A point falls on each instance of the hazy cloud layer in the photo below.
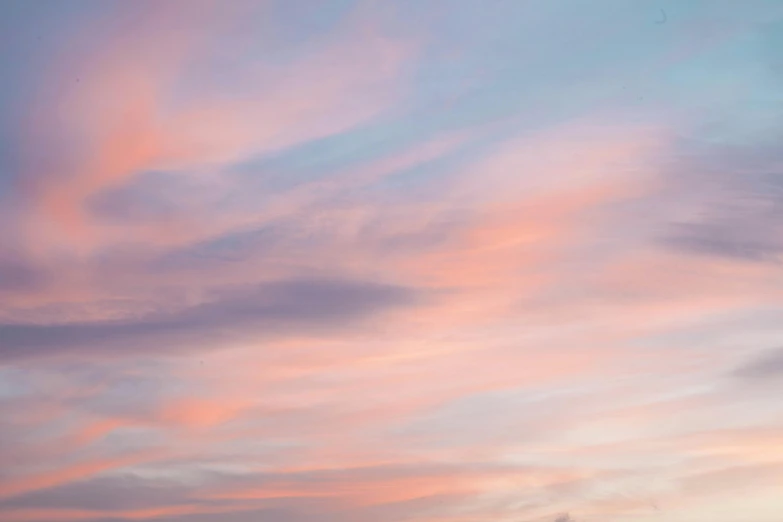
(351, 260)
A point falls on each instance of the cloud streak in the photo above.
(268, 309)
(352, 261)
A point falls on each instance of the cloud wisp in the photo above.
(350, 261)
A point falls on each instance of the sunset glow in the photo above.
(391, 260)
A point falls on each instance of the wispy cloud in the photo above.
(354, 261)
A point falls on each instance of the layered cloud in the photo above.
(352, 261)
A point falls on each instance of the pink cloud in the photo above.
(125, 122)
(69, 473)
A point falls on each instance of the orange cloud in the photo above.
(196, 413)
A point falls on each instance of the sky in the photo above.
(386, 261)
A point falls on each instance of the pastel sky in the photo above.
(391, 260)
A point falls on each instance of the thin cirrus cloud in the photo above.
(296, 304)
(136, 125)
(352, 261)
